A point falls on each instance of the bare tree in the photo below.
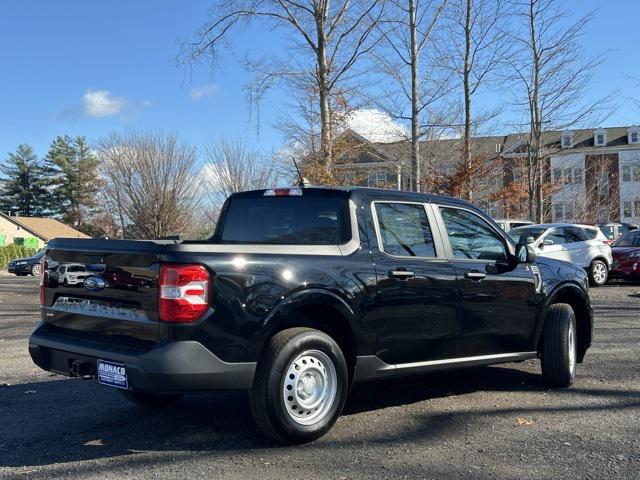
(473, 46)
(552, 78)
(328, 40)
(416, 86)
(150, 183)
(232, 166)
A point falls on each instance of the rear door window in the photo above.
(404, 230)
(574, 234)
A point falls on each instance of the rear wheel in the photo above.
(300, 385)
(35, 270)
(150, 399)
(559, 350)
(598, 273)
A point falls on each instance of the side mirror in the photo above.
(525, 253)
(547, 241)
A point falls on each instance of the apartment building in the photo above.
(590, 175)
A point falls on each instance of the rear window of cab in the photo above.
(286, 220)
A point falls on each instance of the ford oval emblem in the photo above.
(94, 284)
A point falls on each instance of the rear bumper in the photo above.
(174, 367)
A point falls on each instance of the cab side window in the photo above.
(471, 237)
(404, 230)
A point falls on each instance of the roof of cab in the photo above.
(392, 193)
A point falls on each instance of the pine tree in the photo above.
(73, 171)
(23, 188)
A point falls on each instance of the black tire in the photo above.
(598, 273)
(274, 411)
(559, 346)
(150, 399)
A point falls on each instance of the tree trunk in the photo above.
(324, 93)
(416, 173)
(466, 148)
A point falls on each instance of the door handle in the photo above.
(475, 275)
(404, 274)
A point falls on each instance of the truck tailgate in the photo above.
(105, 288)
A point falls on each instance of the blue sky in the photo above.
(88, 68)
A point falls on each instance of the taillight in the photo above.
(43, 274)
(183, 295)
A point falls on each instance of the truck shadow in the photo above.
(60, 421)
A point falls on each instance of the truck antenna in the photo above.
(303, 181)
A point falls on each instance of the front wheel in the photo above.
(598, 273)
(300, 385)
(35, 270)
(559, 346)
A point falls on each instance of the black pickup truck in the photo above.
(303, 291)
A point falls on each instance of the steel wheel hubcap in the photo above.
(309, 387)
(572, 349)
(599, 272)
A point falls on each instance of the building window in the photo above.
(567, 175)
(557, 212)
(626, 209)
(600, 138)
(636, 173)
(626, 173)
(568, 212)
(634, 137)
(603, 182)
(498, 147)
(636, 206)
(377, 179)
(577, 175)
(557, 175)
(566, 140)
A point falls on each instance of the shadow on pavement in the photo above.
(61, 421)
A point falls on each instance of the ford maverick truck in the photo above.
(303, 291)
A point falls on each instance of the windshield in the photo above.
(628, 240)
(307, 220)
(525, 235)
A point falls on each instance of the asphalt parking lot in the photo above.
(491, 422)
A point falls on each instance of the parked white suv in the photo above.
(71, 274)
(508, 223)
(582, 245)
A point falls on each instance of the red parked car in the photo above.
(626, 256)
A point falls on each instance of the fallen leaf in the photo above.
(523, 421)
(95, 443)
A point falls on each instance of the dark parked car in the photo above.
(626, 256)
(26, 266)
(303, 291)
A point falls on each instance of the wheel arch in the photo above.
(325, 311)
(578, 300)
(602, 259)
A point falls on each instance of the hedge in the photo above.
(11, 252)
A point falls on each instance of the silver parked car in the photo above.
(507, 224)
(582, 245)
